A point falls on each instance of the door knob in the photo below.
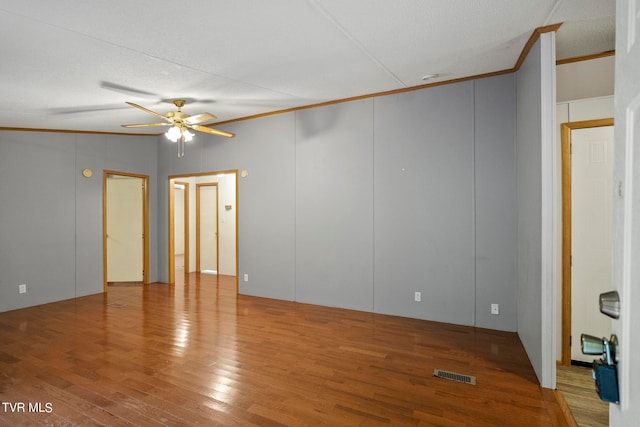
(600, 346)
(610, 304)
(605, 370)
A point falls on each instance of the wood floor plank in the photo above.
(195, 353)
(578, 389)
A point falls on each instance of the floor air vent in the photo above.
(467, 379)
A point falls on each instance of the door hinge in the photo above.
(570, 340)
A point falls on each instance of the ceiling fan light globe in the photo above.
(173, 133)
(188, 136)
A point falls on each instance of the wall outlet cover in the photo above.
(418, 296)
(495, 308)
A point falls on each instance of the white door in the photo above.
(208, 212)
(626, 210)
(125, 228)
(591, 230)
(178, 228)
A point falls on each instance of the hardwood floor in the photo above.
(577, 387)
(197, 354)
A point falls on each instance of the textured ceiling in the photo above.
(72, 64)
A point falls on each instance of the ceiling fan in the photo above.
(180, 124)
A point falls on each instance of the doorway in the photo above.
(181, 229)
(226, 251)
(207, 228)
(587, 194)
(125, 228)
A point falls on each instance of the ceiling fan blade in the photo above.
(86, 109)
(200, 118)
(212, 131)
(126, 89)
(144, 125)
(146, 110)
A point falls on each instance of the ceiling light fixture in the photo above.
(180, 123)
(179, 134)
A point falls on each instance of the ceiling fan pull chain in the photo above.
(181, 147)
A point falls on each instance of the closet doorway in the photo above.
(125, 223)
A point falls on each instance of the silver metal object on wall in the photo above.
(610, 304)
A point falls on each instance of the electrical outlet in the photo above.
(22, 288)
(495, 308)
(418, 296)
(246, 277)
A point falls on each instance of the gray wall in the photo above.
(334, 205)
(535, 159)
(51, 216)
(529, 171)
(495, 186)
(360, 204)
(425, 241)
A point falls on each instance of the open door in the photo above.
(125, 228)
(626, 211)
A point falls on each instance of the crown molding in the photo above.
(586, 57)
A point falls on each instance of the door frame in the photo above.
(145, 223)
(171, 245)
(198, 187)
(566, 129)
(186, 223)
